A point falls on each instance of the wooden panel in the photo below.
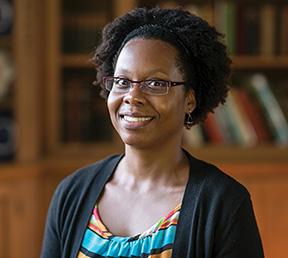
(52, 62)
(29, 80)
(4, 225)
(23, 215)
(269, 193)
(276, 204)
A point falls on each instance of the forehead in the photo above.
(147, 54)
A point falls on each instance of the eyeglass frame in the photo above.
(170, 84)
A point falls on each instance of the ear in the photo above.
(190, 101)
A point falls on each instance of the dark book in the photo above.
(248, 29)
(284, 31)
(6, 17)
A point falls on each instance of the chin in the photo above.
(138, 142)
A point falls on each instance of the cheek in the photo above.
(113, 104)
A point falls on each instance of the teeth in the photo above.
(136, 119)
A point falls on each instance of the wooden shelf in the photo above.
(259, 62)
(236, 154)
(239, 62)
(77, 61)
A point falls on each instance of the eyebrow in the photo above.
(152, 71)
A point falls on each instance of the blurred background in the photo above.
(52, 120)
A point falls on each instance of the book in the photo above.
(247, 134)
(281, 93)
(248, 32)
(253, 113)
(267, 29)
(225, 22)
(271, 107)
(227, 127)
(284, 31)
(213, 129)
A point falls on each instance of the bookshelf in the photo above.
(54, 76)
(67, 60)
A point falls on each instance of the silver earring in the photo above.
(188, 120)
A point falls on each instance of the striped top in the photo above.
(157, 241)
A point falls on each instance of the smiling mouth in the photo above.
(135, 119)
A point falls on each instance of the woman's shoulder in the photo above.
(82, 177)
(216, 183)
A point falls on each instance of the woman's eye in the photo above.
(156, 83)
(119, 82)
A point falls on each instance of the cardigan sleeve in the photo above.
(240, 237)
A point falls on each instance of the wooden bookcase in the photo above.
(46, 63)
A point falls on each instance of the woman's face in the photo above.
(142, 120)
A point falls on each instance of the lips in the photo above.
(135, 120)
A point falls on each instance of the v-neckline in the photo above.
(148, 232)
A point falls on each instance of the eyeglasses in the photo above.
(151, 87)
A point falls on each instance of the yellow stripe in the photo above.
(81, 255)
(164, 254)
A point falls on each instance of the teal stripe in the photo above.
(120, 246)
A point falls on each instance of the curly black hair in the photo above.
(206, 67)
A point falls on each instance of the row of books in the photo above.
(255, 113)
(78, 40)
(249, 28)
(85, 117)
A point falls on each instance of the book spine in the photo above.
(284, 31)
(271, 107)
(248, 133)
(251, 110)
(267, 30)
(213, 129)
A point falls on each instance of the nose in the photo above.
(134, 96)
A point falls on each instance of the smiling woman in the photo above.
(161, 70)
(140, 117)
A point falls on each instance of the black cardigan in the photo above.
(216, 218)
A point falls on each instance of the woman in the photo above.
(160, 70)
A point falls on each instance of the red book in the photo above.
(213, 130)
(254, 113)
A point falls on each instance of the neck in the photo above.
(163, 166)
